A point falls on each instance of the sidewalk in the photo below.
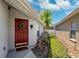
(20, 54)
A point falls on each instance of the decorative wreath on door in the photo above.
(21, 26)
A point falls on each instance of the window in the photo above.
(73, 31)
(73, 34)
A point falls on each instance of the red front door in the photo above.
(21, 33)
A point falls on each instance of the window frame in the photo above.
(73, 32)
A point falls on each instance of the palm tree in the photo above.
(46, 17)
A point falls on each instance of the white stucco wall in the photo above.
(3, 29)
(7, 28)
(41, 29)
(32, 32)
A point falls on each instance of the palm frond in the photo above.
(46, 17)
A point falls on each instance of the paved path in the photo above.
(21, 54)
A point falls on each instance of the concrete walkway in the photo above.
(20, 54)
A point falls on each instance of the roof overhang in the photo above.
(68, 16)
(24, 7)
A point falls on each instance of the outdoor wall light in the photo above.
(31, 26)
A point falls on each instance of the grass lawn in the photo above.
(57, 48)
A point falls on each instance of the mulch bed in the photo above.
(41, 48)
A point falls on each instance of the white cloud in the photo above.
(59, 4)
(44, 1)
(77, 3)
(31, 1)
(73, 7)
(46, 5)
(64, 4)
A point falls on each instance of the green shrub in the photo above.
(57, 48)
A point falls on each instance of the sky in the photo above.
(59, 8)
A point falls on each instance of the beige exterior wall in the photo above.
(63, 33)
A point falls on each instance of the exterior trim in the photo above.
(25, 8)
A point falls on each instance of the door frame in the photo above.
(27, 30)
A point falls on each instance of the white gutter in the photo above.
(18, 6)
